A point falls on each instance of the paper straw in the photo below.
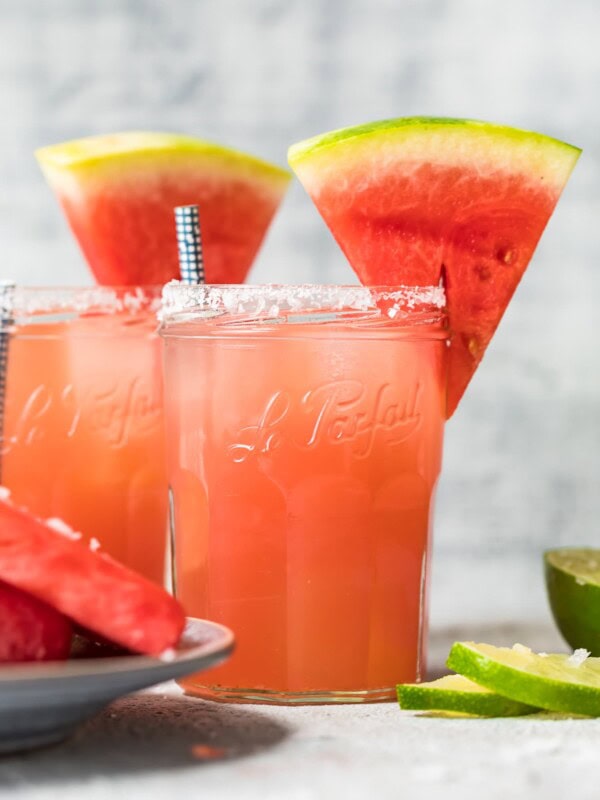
(7, 289)
(189, 243)
(191, 268)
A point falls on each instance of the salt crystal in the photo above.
(60, 526)
(32, 300)
(4, 493)
(94, 544)
(273, 299)
(520, 648)
(168, 655)
(578, 657)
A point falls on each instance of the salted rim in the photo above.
(30, 300)
(184, 299)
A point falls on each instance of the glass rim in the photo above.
(24, 301)
(184, 301)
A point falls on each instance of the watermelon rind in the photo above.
(96, 151)
(402, 129)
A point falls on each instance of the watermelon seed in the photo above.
(483, 272)
(473, 346)
(506, 255)
(443, 281)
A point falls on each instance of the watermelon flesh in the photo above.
(31, 630)
(118, 193)
(421, 201)
(88, 587)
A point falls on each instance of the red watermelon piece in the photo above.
(31, 630)
(87, 586)
(421, 200)
(119, 191)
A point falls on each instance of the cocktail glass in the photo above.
(83, 436)
(304, 440)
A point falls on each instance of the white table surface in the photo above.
(161, 744)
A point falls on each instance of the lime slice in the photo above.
(573, 584)
(458, 694)
(555, 682)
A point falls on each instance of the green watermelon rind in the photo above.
(96, 151)
(317, 144)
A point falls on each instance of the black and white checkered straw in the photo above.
(7, 289)
(189, 243)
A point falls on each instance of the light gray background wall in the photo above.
(522, 461)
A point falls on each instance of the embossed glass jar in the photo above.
(304, 439)
(83, 435)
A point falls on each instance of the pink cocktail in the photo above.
(83, 436)
(304, 440)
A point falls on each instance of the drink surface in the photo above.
(83, 430)
(303, 460)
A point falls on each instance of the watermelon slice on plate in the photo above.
(421, 200)
(31, 630)
(119, 191)
(90, 588)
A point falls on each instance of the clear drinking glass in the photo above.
(83, 435)
(304, 439)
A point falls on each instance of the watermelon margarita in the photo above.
(83, 423)
(304, 437)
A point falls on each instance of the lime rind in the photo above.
(573, 586)
(457, 694)
(407, 125)
(548, 682)
(94, 151)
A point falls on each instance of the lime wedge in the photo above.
(460, 695)
(573, 584)
(554, 682)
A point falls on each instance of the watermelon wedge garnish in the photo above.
(88, 587)
(421, 200)
(119, 191)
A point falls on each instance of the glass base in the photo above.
(223, 694)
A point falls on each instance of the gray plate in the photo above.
(43, 703)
